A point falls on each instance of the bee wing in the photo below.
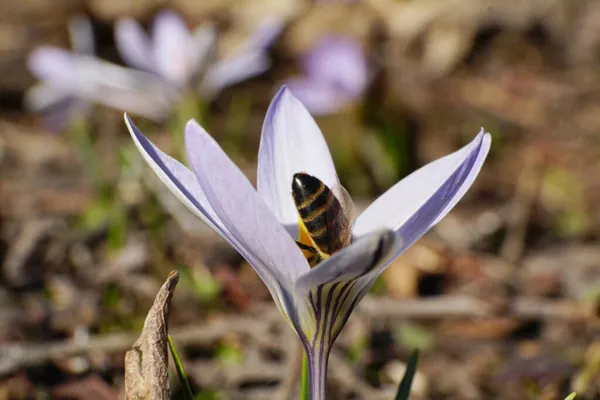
(346, 201)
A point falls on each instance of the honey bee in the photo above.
(325, 221)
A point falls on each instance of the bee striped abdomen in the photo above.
(311, 254)
(320, 211)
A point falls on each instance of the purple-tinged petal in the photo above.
(446, 195)
(254, 231)
(228, 72)
(319, 97)
(172, 40)
(265, 34)
(134, 45)
(340, 62)
(95, 80)
(59, 108)
(81, 35)
(43, 96)
(180, 180)
(52, 64)
(404, 200)
(202, 44)
(291, 142)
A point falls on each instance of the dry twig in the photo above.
(147, 363)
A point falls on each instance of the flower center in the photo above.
(324, 221)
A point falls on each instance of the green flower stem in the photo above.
(79, 132)
(189, 107)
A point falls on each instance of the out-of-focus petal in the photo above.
(81, 35)
(340, 62)
(171, 45)
(437, 186)
(254, 231)
(52, 64)
(319, 97)
(44, 96)
(204, 39)
(291, 142)
(58, 107)
(225, 73)
(265, 34)
(134, 45)
(99, 81)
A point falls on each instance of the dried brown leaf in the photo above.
(147, 363)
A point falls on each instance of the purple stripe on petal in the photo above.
(327, 294)
(350, 263)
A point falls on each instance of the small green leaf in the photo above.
(414, 336)
(406, 383)
(229, 354)
(571, 396)
(183, 380)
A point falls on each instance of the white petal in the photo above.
(291, 142)
(399, 203)
(203, 41)
(171, 44)
(134, 44)
(95, 80)
(225, 73)
(255, 232)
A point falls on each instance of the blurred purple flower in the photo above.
(262, 224)
(336, 73)
(183, 58)
(59, 106)
(71, 80)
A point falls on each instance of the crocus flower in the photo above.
(58, 106)
(182, 57)
(262, 224)
(70, 80)
(336, 73)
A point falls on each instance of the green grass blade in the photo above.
(406, 383)
(185, 384)
(305, 379)
(571, 396)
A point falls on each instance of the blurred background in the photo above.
(502, 297)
